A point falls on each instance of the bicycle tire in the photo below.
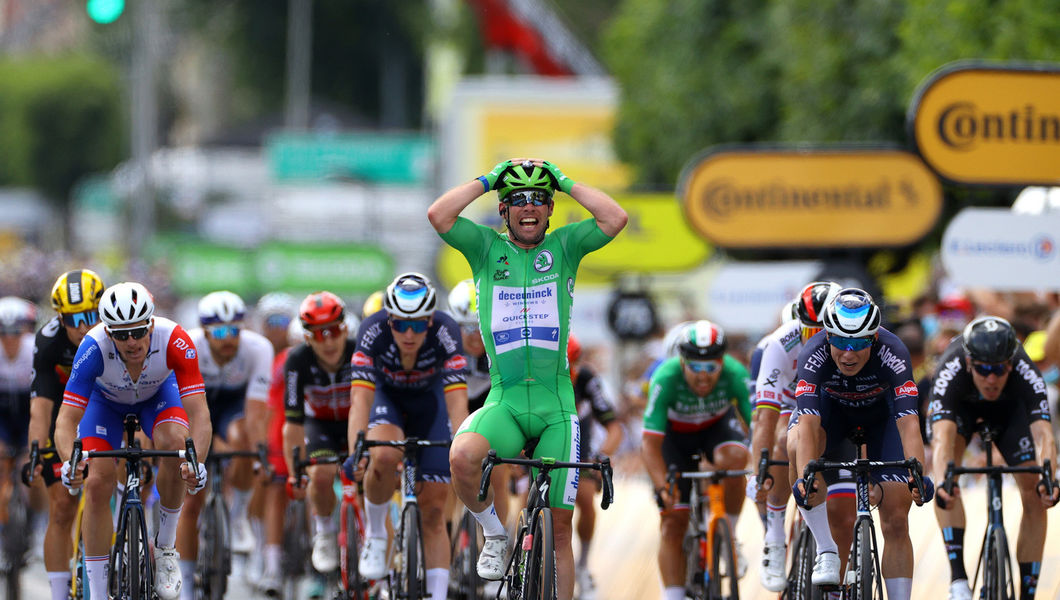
(354, 587)
(516, 585)
(466, 584)
(132, 555)
(867, 583)
(410, 575)
(213, 551)
(15, 546)
(724, 577)
(541, 566)
(693, 546)
(800, 572)
(295, 545)
(998, 581)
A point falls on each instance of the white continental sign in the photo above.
(1001, 250)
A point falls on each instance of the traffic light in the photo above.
(104, 11)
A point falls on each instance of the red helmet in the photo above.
(321, 308)
(574, 349)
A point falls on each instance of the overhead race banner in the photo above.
(810, 197)
(656, 239)
(979, 123)
(1001, 250)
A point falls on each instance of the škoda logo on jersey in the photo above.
(805, 387)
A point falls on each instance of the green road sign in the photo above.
(378, 158)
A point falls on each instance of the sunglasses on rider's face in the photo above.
(14, 330)
(223, 332)
(988, 369)
(323, 333)
(709, 367)
(88, 317)
(278, 321)
(403, 325)
(535, 197)
(849, 344)
(122, 335)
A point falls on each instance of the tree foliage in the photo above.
(697, 73)
(60, 119)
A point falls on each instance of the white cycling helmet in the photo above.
(463, 303)
(16, 312)
(673, 338)
(277, 303)
(221, 307)
(852, 314)
(410, 296)
(126, 303)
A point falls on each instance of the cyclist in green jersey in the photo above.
(525, 284)
(697, 404)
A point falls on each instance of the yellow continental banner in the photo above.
(989, 124)
(655, 240)
(810, 198)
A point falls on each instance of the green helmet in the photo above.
(524, 176)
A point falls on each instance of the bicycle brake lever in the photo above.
(609, 485)
(75, 459)
(487, 470)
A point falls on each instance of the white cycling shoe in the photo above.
(826, 569)
(772, 574)
(167, 573)
(491, 560)
(372, 563)
(959, 590)
(325, 552)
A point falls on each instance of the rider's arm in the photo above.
(456, 404)
(443, 212)
(181, 358)
(651, 452)
(293, 437)
(87, 365)
(258, 386)
(199, 418)
(66, 429)
(943, 438)
(294, 409)
(40, 417)
(809, 433)
(46, 387)
(1044, 441)
(610, 217)
(909, 432)
(362, 394)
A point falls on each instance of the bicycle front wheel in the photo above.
(463, 576)
(541, 565)
(724, 579)
(350, 549)
(129, 575)
(803, 553)
(868, 584)
(998, 582)
(213, 553)
(411, 574)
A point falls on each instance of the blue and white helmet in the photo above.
(852, 314)
(126, 303)
(221, 307)
(410, 296)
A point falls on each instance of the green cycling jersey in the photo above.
(525, 297)
(671, 401)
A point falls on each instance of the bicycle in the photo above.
(15, 542)
(351, 529)
(711, 571)
(407, 580)
(864, 580)
(131, 573)
(214, 561)
(296, 550)
(803, 546)
(464, 582)
(995, 562)
(531, 570)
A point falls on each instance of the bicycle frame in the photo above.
(995, 517)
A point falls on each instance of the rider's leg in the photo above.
(1030, 543)
(381, 479)
(673, 524)
(465, 463)
(587, 487)
(777, 499)
(187, 543)
(897, 560)
(321, 495)
(431, 497)
(169, 435)
(57, 546)
(96, 524)
(732, 456)
(562, 525)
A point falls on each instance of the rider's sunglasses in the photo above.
(322, 333)
(12, 330)
(88, 317)
(850, 344)
(277, 321)
(535, 197)
(988, 369)
(709, 367)
(223, 332)
(403, 325)
(122, 335)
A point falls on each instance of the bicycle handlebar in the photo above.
(262, 454)
(135, 453)
(30, 472)
(546, 464)
(763, 467)
(817, 466)
(714, 476)
(953, 471)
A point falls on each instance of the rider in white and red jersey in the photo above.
(133, 363)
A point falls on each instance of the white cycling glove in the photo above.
(200, 476)
(752, 488)
(67, 475)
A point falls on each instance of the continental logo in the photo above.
(771, 198)
(990, 124)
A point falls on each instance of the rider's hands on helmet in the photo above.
(563, 183)
(194, 482)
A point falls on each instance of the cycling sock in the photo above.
(898, 588)
(490, 522)
(187, 576)
(583, 554)
(324, 523)
(817, 520)
(273, 559)
(953, 537)
(375, 523)
(240, 499)
(59, 581)
(257, 527)
(96, 573)
(167, 526)
(775, 523)
(673, 593)
(732, 521)
(1029, 579)
(438, 583)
